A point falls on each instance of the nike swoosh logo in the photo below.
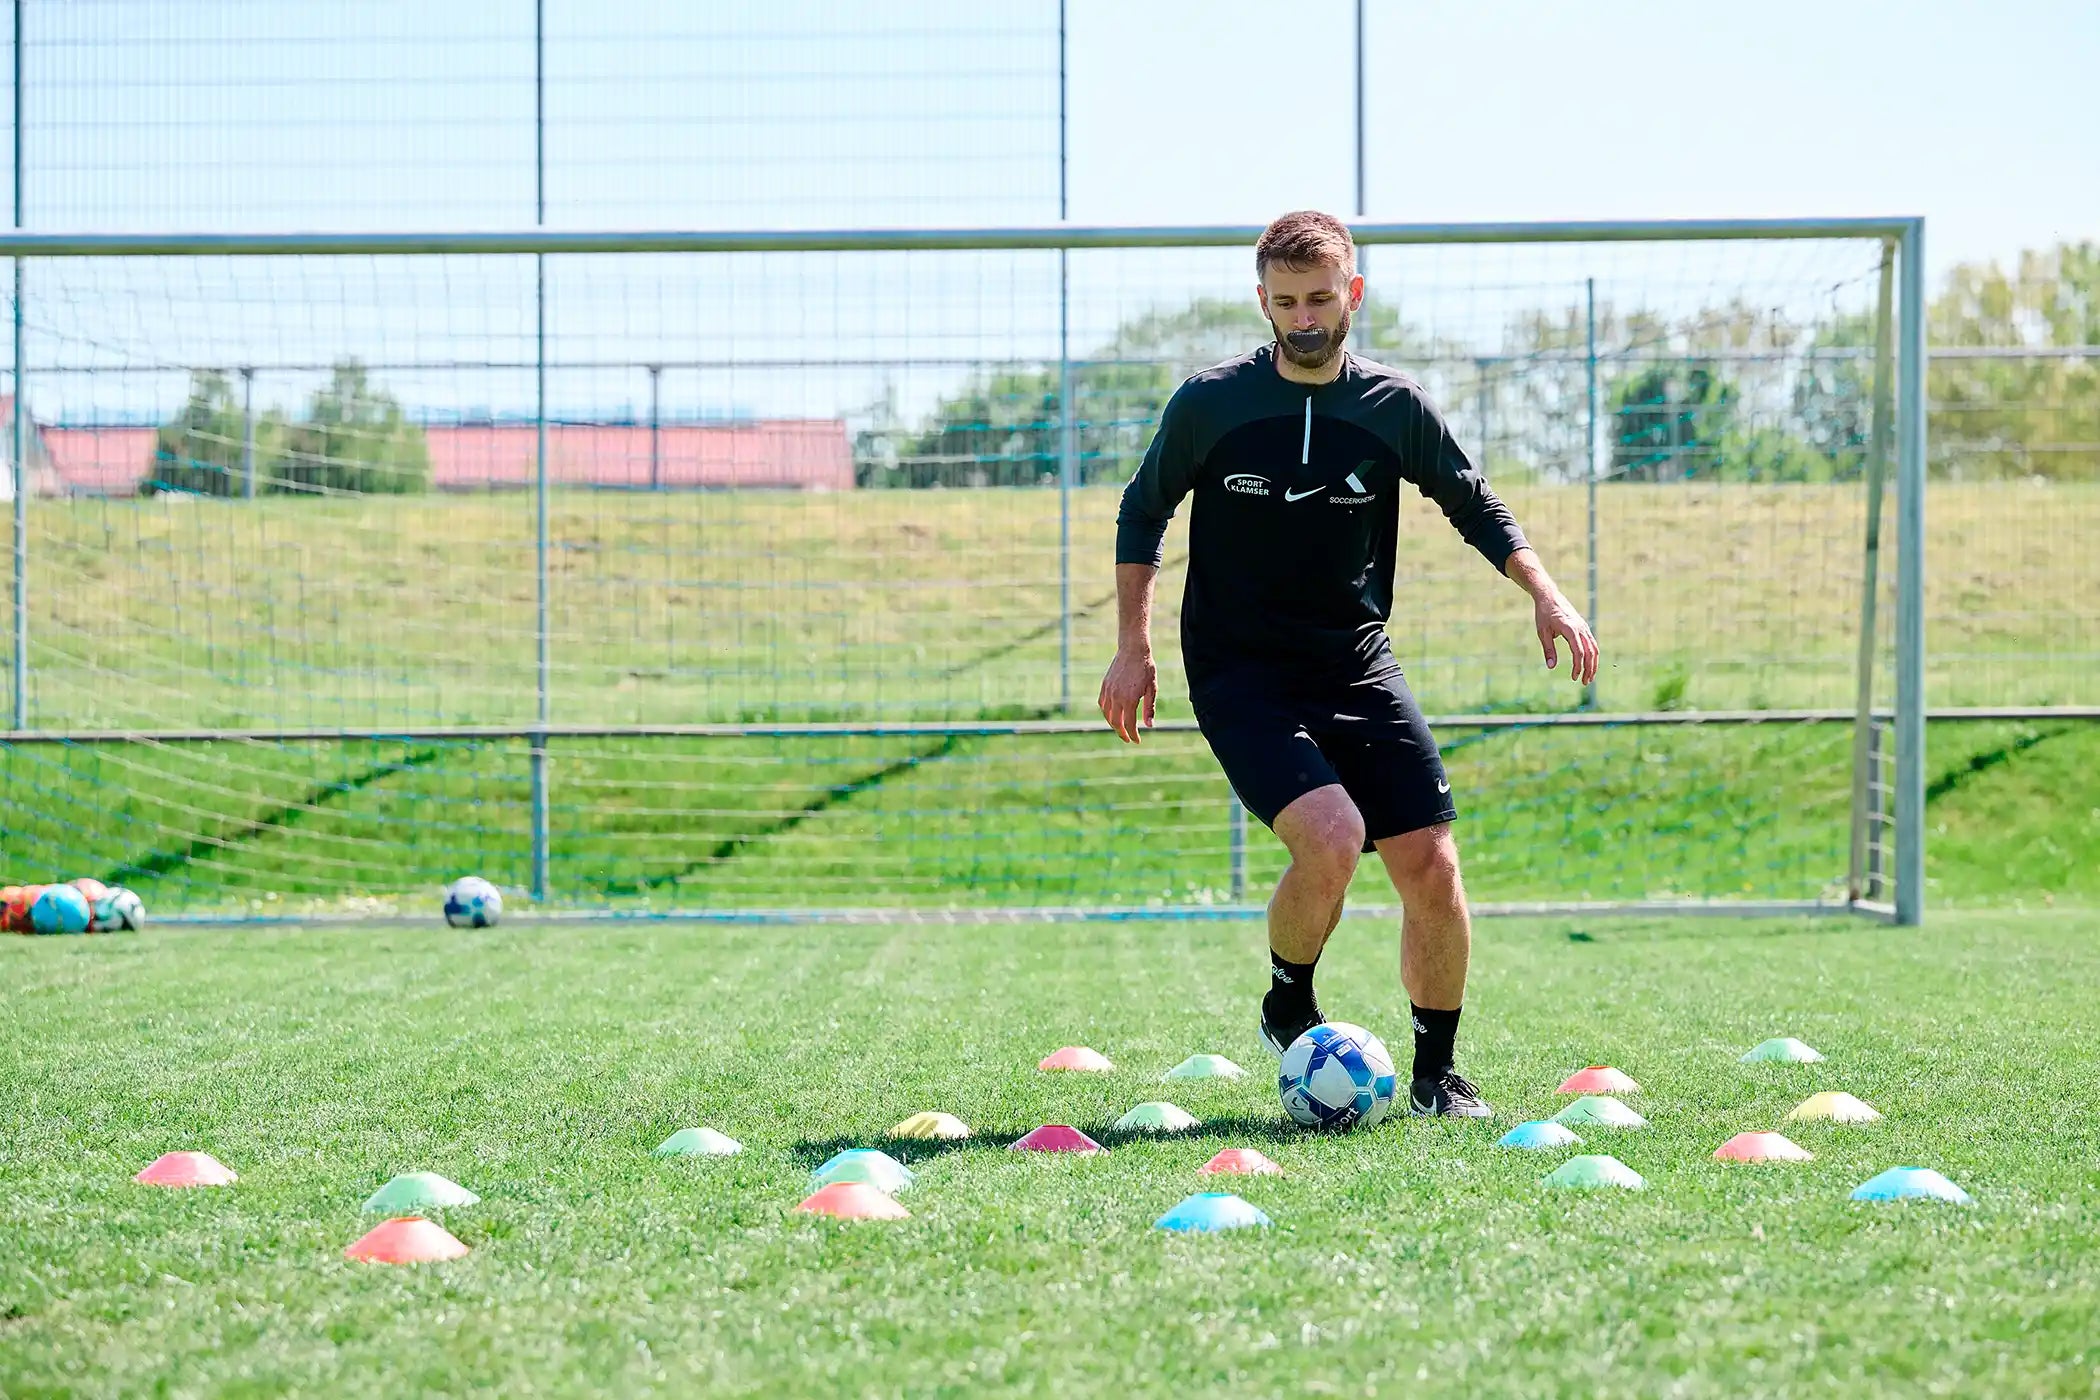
(1443, 785)
(1301, 495)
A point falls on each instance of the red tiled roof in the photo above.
(809, 454)
(100, 461)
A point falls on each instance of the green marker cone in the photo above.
(698, 1142)
(1783, 1051)
(1599, 1112)
(1156, 1118)
(1590, 1173)
(417, 1191)
(1205, 1067)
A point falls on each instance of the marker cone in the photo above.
(1911, 1183)
(1762, 1147)
(1205, 1067)
(186, 1169)
(698, 1142)
(853, 1200)
(1836, 1107)
(1590, 1173)
(1077, 1058)
(1156, 1118)
(1784, 1051)
(1209, 1211)
(408, 1240)
(1599, 1113)
(877, 1169)
(1539, 1137)
(1598, 1079)
(932, 1125)
(1056, 1137)
(1240, 1161)
(418, 1191)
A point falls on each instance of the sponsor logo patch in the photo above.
(1247, 484)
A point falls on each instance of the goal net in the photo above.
(775, 577)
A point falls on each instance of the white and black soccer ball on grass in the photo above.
(119, 911)
(473, 902)
(1337, 1076)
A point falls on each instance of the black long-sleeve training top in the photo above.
(1297, 487)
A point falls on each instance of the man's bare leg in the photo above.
(1324, 834)
(1436, 947)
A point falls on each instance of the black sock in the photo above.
(1290, 995)
(1434, 1033)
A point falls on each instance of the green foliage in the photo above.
(1668, 423)
(352, 439)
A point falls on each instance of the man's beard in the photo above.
(1313, 349)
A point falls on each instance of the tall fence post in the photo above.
(1236, 826)
(23, 482)
(248, 432)
(1589, 360)
(656, 428)
(1910, 586)
(542, 827)
(1067, 465)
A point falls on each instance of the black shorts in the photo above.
(1278, 738)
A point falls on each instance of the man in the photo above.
(1296, 453)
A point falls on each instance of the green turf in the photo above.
(538, 1065)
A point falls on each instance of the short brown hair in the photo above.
(1305, 239)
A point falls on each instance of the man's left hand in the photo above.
(1558, 621)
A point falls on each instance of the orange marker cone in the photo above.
(186, 1169)
(406, 1239)
(1240, 1161)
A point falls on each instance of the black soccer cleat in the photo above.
(1446, 1095)
(1278, 1035)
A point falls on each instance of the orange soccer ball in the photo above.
(16, 910)
(92, 890)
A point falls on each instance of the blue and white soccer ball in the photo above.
(119, 911)
(473, 902)
(1337, 1076)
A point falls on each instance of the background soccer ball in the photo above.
(60, 909)
(91, 889)
(473, 903)
(119, 910)
(1337, 1076)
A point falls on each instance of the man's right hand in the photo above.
(1132, 683)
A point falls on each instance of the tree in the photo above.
(1669, 422)
(355, 438)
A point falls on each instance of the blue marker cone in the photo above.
(864, 1164)
(1911, 1183)
(1207, 1211)
(1539, 1137)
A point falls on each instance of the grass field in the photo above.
(538, 1066)
(168, 613)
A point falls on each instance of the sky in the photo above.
(400, 115)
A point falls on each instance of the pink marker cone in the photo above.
(406, 1239)
(186, 1169)
(1078, 1058)
(1762, 1147)
(1598, 1079)
(853, 1200)
(1056, 1137)
(1240, 1161)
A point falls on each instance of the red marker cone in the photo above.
(1598, 1079)
(853, 1200)
(186, 1169)
(1240, 1161)
(1077, 1057)
(1761, 1147)
(1056, 1137)
(407, 1239)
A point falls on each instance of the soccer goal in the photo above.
(769, 575)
